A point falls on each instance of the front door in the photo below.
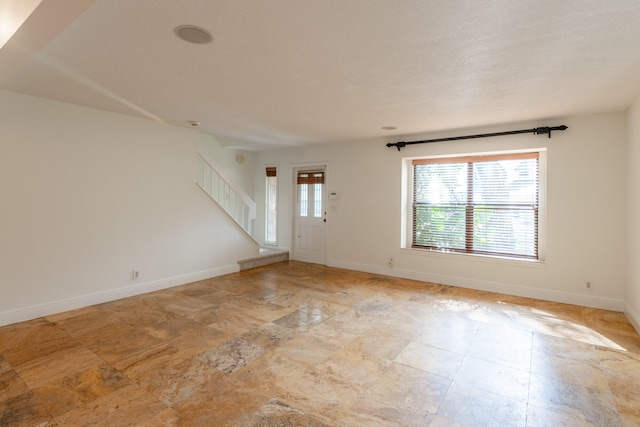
(309, 236)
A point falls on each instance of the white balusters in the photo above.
(232, 199)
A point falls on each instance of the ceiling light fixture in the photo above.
(193, 34)
(388, 128)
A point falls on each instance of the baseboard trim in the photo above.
(33, 312)
(483, 285)
(633, 317)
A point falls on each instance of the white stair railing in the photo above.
(231, 198)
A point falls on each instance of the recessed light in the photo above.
(193, 34)
(388, 128)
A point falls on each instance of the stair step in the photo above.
(267, 256)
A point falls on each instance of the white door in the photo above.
(309, 236)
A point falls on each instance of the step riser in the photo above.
(262, 261)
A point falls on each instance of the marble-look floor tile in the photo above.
(187, 306)
(347, 323)
(223, 402)
(402, 396)
(309, 314)
(256, 308)
(278, 414)
(127, 406)
(171, 329)
(469, 406)
(124, 346)
(565, 348)
(40, 349)
(270, 373)
(147, 362)
(70, 392)
(319, 395)
(569, 370)
(194, 342)
(611, 321)
(180, 381)
(363, 360)
(28, 333)
(494, 378)
(11, 385)
(448, 332)
(166, 418)
(42, 370)
(24, 410)
(227, 320)
(269, 336)
(232, 355)
(91, 326)
(308, 349)
(430, 359)
(373, 307)
(140, 314)
(202, 288)
(509, 347)
(622, 371)
(304, 344)
(573, 402)
(4, 365)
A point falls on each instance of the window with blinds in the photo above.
(310, 193)
(480, 204)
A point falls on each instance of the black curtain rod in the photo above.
(537, 131)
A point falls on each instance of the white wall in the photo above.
(87, 196)
(586, 190)
(633, 219)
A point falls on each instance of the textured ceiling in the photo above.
(294, 72)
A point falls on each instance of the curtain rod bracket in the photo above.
(536, 131)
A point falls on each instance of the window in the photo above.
(310, 193)
(271, 216)
(478, 204)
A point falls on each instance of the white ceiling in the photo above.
(293, 72)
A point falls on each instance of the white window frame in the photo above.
(268, 179)
(407, 208)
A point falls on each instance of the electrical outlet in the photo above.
(588, 285)
(391, 262)
(135, 274)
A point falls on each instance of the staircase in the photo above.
(238, 205)
(231, 198)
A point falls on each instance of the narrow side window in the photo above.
(271, 208)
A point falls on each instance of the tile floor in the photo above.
(296, 344)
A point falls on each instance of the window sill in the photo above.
(491, 259)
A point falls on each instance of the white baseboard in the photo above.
(33, 312)
(483, 285)
(633, 317)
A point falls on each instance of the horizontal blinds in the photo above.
(477, 204)
(311, 177)
(271, 171)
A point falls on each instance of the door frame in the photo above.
(294, 205)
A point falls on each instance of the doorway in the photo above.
(310, 215)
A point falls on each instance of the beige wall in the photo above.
(633, 220)
(87, 196)
(586, 189)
